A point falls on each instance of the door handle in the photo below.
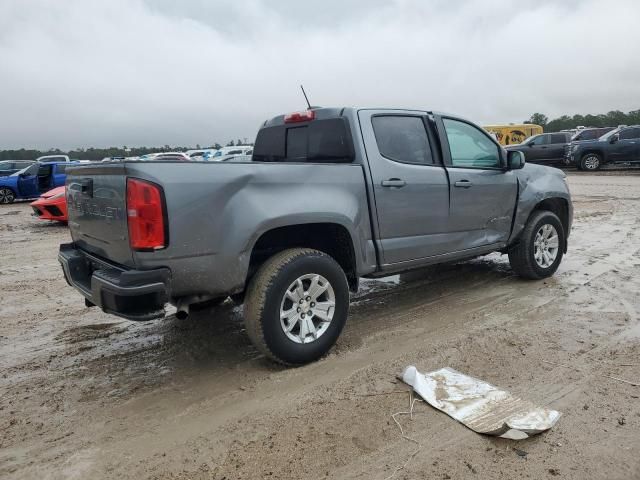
(463, 184)
(393, 182)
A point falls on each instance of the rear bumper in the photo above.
(131, 294)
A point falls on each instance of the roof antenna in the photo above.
(305, 96)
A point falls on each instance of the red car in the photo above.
(51, 205)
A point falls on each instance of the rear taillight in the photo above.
(297, 117)
(145, 215)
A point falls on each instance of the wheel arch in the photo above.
(333, 239)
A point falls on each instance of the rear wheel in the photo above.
(296, 306)
(7, 195)
(590, 162)
(541, 247)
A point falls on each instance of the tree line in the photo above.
(565, 122)
(100, 153)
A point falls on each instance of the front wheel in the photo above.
(296, 306)
(7, 195)
(590, 162)
(539, 252)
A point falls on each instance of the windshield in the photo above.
(610, 134)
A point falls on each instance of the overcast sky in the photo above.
(153, 72)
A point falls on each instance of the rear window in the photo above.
(319, 141)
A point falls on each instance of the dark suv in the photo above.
(621, 145)
(546, 148)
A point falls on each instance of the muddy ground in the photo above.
(87, 395)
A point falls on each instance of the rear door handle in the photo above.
(463, 184)
(394, 182)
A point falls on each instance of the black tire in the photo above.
(7, 195)
(590, 162)
(266, 292)
(522, 256)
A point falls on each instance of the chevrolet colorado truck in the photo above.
(330, 195)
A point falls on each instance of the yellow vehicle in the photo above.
(513, 134)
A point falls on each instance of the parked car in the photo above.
(621, 145)
(590, 133)
(172, 156)
(237, 150)
(32, 181)
(53, 159)
(546, 148)
(7, 167)
(331, 195)
(199, 154)
(51, 205)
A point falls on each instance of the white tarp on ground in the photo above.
(479, 405)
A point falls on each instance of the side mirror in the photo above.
(515, 160)
(530, 144)
(614, 138)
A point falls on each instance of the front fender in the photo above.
(537, 183)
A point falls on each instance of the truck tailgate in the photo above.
(96, 201)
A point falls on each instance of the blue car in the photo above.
(33, 181)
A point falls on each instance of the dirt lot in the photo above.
(86, 395)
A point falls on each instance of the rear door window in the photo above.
(402, 139)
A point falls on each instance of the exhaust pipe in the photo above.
(182, 305)
(182, 312)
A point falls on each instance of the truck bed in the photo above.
(215, 212)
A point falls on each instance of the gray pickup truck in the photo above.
(330, 195)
